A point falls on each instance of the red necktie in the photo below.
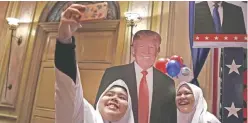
(143, 105)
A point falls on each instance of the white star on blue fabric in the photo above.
(232, 110)
(233, 67)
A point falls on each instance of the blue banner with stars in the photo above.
(232, 93)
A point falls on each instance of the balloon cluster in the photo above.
(174, 67)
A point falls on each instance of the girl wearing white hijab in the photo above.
(114, 105)
(191, 105)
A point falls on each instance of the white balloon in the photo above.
(185, 74)
(185, 71)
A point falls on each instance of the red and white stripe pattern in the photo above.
(219, 40)
(216, 81)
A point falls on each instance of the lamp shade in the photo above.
(13, 21)
(132, 16)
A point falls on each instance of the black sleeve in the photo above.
(65, 59)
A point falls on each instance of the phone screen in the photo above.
(95, 11)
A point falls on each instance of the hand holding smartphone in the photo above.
(95, 11)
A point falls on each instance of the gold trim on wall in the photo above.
(156, 16)
(164, 28)
(4, 26)
(11, 12)
(170, 15)
(10, 113)
(6, 116)
(25, 14)
(150, 17)
(206, 81)
(122, 34)
(25, 112)
(126, 44)
(92, 26)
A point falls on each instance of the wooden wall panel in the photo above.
(44, 103)
(51, 43)
(7, 120)
(43, 120)
(14, 72)
(45, 90)
(95, 46)
(11, 99)
(28, 87)
(90, 82)
(94, 51)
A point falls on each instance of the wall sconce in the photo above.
(13, 24)
(132, 19)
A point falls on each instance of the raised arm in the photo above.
(69, 105)
(65, 59)
(69, 102)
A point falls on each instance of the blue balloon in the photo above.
(173, 68)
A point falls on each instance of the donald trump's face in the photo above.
(145, 51)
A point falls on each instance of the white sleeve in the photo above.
(90, 115)
(69, 104)
(211, 118)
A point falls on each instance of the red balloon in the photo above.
(161, 64)
(177, 58)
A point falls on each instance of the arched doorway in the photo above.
(96, 46)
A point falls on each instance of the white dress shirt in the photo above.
(149, 79)
(220, 9)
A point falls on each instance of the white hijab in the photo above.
(128, 117)
(199, 113)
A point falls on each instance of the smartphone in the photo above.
(95, 11)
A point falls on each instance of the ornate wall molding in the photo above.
(166, 30)
(170, 30)
(96, 26)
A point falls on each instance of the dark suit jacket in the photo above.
(233, 20)
(163, 108)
